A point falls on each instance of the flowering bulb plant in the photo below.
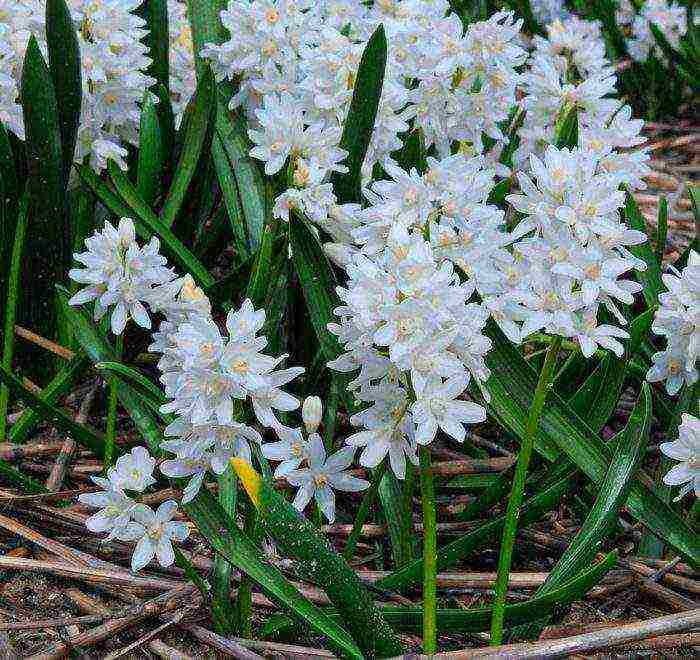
(330, 255)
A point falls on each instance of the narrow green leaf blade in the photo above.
(81, 434)
(359, 123)
(511, 385)
(199, 127)
(151, 153)
(64, 62)
(48, 235)
(651, 277)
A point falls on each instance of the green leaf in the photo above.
(359, 123)
(317, 560)
(227, 540)
(612, 495)
(219, 611)
(13, 476)
(562, 430)
(151, 153)
(99, 350)
(59, 385)
(11, 301)
(155, 13)
(651, 277)
(199, 126)
(81, 434)
(48, 234)
(135, 379)
(567, 129)
(317, 283)
(661, 231)
(147, 220)
(64, 62)
(252, 189)
(206, 27)
(229, 192)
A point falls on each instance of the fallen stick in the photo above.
(592, 641)
(89, 575)
(47, 344)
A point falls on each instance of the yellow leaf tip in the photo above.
(249, 478)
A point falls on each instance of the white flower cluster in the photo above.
(577, 257)
(670, 18)
(678, 320)
(686, 450)
(569, 70)
(296, 64)
(120, 273)
(114, 64)
(126, 519)
(407, 325)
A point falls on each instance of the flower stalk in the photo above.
(532, 425)
(110, 436)
(429, 554)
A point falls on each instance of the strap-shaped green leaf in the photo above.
(64, 62)
(151, 153)
(251, 186)
(59, 385)
(199, 126)
(155, 13)
(449, 555)
(48, 235)
(359, 123)
(479, 619)
(651, 277)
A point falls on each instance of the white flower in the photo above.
(292, 449)
(685, 449)
(133, 471)
(437, 406)
(154, 533)
(115, 508)
(322, 476)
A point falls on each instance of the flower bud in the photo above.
(311, 412)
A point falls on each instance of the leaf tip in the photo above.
(249, 478)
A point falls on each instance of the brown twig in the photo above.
(49, 345)
(592, 641)
(58, 471)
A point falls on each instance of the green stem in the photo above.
(544, 384)
(361, 516)
(228, 489)
(11, 309)
(407, 512)
(429, 554)
(110, 436)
